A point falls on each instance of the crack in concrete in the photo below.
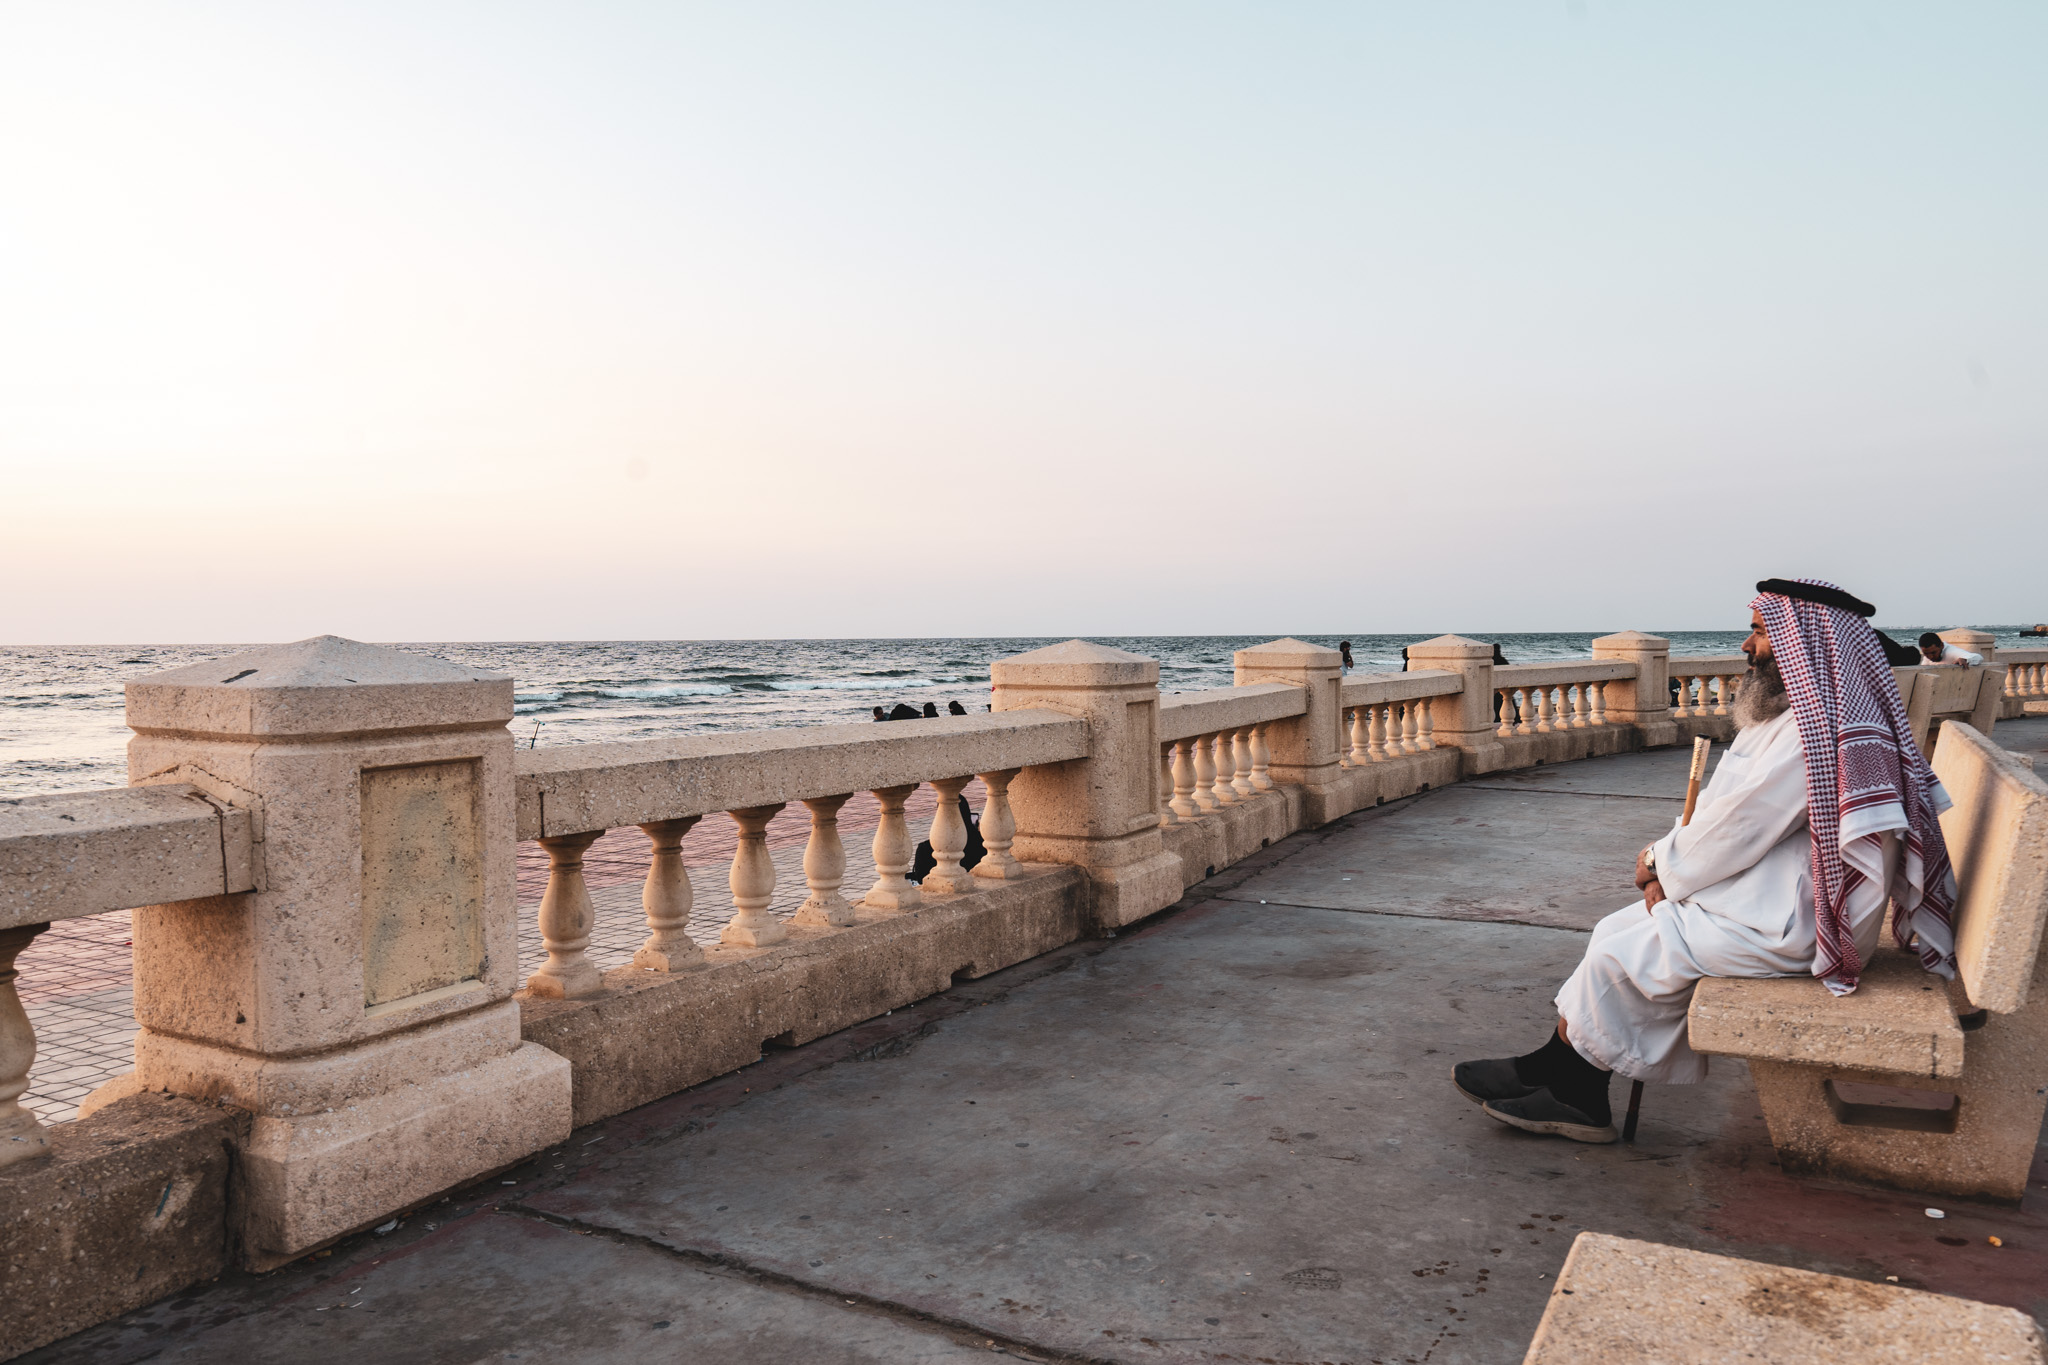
(965, 1332)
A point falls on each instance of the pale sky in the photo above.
(599, 320)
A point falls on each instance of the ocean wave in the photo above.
(536, 696)
(855, 684)
(669, 690)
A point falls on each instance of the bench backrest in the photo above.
(1997, 835)
(1944, 692)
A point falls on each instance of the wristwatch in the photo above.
(1650, 858)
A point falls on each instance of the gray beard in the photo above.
(1760, 696)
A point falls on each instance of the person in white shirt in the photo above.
(1936, 650)
(1785, 869)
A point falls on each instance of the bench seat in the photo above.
(1619, 1300)
(1899, 1020)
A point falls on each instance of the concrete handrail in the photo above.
(84, 853)
(1377, 689)
(1715, 665)
(1564, 673)
(1184, 715)
(577, 788)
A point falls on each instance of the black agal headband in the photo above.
(1813, 592)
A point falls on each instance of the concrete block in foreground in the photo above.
(1620, 1300)
(128, 1206)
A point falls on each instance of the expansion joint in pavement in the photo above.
(967, 1333)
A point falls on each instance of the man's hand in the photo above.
(1960, 663)
(1646, 881)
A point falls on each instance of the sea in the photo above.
(61, 711)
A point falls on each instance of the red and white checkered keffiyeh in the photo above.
(1865, 777)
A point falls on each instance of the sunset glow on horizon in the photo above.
(482, 322)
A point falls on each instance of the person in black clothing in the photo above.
(925, 861)
(902, 712)
(1500, 660)
(1344, 653)
(931, 710)
(880, 714)
(954, 708)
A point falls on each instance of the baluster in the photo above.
(1527, 699)
(1166, 816)
(1241, 753)
(666, 899)
(753, 882)
(825, 868)
(1347, 721)
(1262, 759)
(998, 829)
(1361, 735)
(1544, 713)
(21, 1133)
(1506, 697)
(1411, 727)
(1380, 717)
(894, 853)
(1226, 769)
(1205, 775)
(566, 918)
(949, 841)
(1426, 739)
(1723, 688)
(1596, 693)
(1184, 781)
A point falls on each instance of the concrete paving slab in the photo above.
(1658, 773)
(1243, 1145)
(496, 1286)
(1537, 857)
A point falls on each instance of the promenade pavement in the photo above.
(1227, 1135)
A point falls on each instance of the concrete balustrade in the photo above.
(319, 847)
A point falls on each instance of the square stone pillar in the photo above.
(1099, 813)
(1647, 705)
(358, 1001)
(1306, 747)
(1465, 721)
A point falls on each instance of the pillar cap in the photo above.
(1451, 647)
(1288, 653)
(1633, 640)
(1075, 663)
(318, 687)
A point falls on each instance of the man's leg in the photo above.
(1560, 1088)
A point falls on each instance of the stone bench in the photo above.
(1624, 1300)
(1912, 1082)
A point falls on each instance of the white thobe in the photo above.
(1738, 902)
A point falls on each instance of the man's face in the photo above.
(1931, 653)
(1758, 646)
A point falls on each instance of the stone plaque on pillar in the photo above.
(423, 879)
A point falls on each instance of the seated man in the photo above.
(1936, 650)
(1820, 813)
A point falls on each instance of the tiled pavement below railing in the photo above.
(77, 984)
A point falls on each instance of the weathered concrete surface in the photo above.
(126, 1205)
(1550, 846)
(1167, 1084)
(1621, 1301)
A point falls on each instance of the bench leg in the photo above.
(1990, 1136)
(1635, 1109)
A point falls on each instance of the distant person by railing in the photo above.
(1344, 649)
(954, 708)
(1936, 650)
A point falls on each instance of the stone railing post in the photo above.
(1647, 703)
(1099, 813)
(358, 1001)
(1464, 721)
(1305, 748)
